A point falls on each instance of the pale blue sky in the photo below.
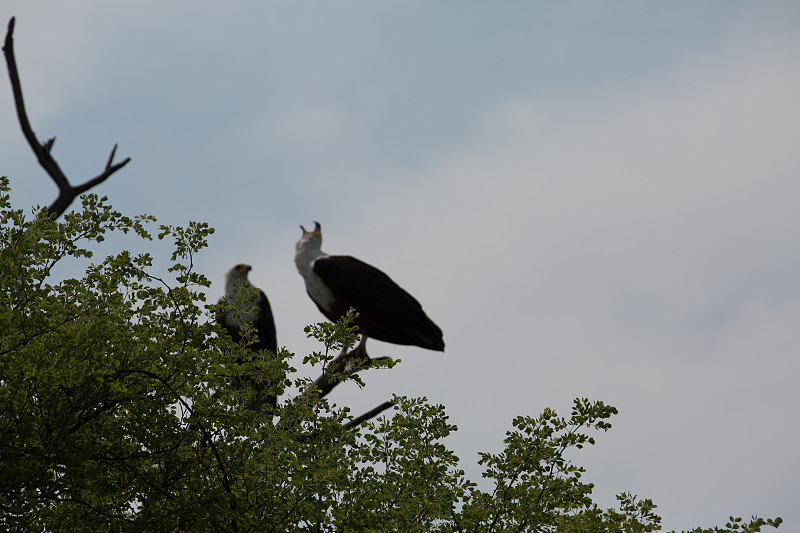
(590, 198)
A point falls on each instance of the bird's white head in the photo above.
(308, 248)
(236, 276)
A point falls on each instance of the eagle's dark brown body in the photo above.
(385, 311)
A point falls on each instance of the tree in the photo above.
(116, 413)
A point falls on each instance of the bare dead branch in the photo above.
(67, 193)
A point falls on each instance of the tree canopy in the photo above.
(117, 413)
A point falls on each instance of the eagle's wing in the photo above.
(265, 324)
(386, 311)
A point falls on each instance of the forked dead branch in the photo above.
(67, 191)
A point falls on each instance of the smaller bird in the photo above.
(386, 312)
(255, 310)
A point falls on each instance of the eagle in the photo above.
(255, 309)
(386, 312)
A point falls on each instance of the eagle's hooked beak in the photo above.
(317, 229)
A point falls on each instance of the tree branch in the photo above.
(346, 364)
(67, 193)
(369, 414)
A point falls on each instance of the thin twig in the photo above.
(368, 415)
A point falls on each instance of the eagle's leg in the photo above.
(356, 359)
(360, 351)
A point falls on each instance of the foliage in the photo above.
(117, 414)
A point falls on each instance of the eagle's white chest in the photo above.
(321, 294)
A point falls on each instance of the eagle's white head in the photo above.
(308, 248)
(235, 281)
(236, 277)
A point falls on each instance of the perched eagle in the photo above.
(255, 310)
(385, 311)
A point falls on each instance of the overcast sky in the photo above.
(592, 199)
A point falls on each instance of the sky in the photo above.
(591, 199)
